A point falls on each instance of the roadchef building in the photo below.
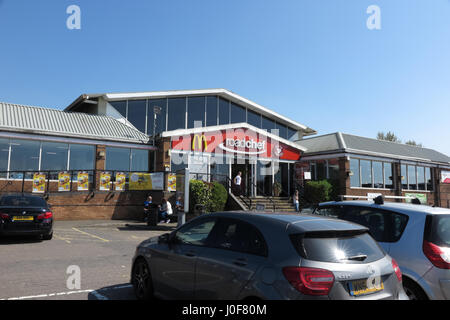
(94, 158)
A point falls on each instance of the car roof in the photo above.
(395, 206)
(299, 223)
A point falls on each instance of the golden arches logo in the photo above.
(199, 139)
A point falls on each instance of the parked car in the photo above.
(265, 256)
(23, 214)
(417, 236)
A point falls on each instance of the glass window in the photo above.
(366, 173)
(239, 236)
(160, 118)
(4, 155)
(224, 111)
(23, 201)
(404, 176)
(267, 124)
(117, 159)
(282, 130)
(334, 212)
(196, 111)
(139, 160)
(412, 178)
(82, 157)
(421, 178)
(54, 156)
(428, 179)
(377, 174)
(177, 114)
(120, 106)
(388, 182)
(354, 177)
(137, 113)
(372, 219)
(24, 155)
(254, 118)
(238, 113)
(321, 170)
(333, 169)
(211, 111)
(195, 233)
(292, 134)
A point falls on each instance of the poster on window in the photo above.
(39, 183)
(146, 181)
(445, 177)
(172, 183)
(63, 181)
(105, 181)
(422, 197)
(121, 178)
(83, 181)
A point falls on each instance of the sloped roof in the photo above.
(20, 118)
(342, 142)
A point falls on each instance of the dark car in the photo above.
(22, 214)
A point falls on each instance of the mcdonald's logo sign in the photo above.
(197, 142)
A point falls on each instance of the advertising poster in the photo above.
(172, 183)
(445, 177)
(422, 197)
(105, 181)
(146, 181)
(121, 179)
(83, 181)
(63, 181)
(39, 183)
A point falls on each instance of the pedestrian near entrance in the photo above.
(165, 211)
(147, 207)
(237, 183)
(296, 201)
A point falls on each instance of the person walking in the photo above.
(237, 183)
(296, 201)
(165, 211)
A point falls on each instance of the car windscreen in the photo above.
(438, 230)
(22, 201)
(351, 247)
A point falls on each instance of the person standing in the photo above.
(237, 183)
(296, 201)
(147, 207)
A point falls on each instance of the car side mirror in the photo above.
(164, 238)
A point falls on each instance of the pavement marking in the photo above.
(93, 292)
(91, 235)
(61, 238)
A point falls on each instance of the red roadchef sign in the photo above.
(236, 142)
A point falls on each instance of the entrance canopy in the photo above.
(240, 139)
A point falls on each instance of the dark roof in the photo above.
(342, 142)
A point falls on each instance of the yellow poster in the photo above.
(140, 181)
(172, 183)
(83, 181)
(39, 183)
(105, 181)
(121, 178)
(63, 181)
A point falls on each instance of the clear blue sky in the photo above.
(314, 61)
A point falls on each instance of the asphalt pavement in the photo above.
(85, 260)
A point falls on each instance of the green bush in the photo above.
(318, 191)
(213, 196)
(219, 197)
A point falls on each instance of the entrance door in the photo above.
(246, 176)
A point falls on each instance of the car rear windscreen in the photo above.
(338, 247)
(437, 229)
(22, 201)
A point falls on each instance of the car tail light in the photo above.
(45, 215)
(310, 281)
(4, 216)
(397, 270)
(438, 256)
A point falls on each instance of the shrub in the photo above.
(318, 191)
(213, 196)
(219, 197)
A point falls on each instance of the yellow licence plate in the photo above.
(16, 218)
(362, 287)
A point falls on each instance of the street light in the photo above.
(156, 111)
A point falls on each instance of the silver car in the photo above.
(231, 256)
(417, 236)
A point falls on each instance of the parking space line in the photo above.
(91, 235)
(49, 295)
(61, 238)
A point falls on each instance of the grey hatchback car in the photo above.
(417, 236)
(234, 256)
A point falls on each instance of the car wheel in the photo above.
(47, 236)
(413, 291)
(142, 280)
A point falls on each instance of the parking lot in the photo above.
(100, 250)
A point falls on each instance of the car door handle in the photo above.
(242, 262)
(190, 254)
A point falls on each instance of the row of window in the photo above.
(324, 169)
(28, 155)
(191, 112)
(378, 174)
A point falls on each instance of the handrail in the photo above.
(262, 192)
